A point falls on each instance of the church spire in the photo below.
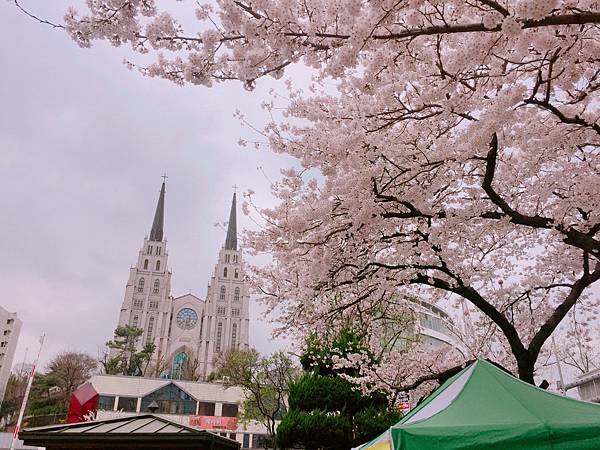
(231, 240)
(156, 233)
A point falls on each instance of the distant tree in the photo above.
(326, 410)
(127, 360)
(72, 369)
(13, 396)
(265, 381)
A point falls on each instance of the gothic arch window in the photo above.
(219, 336)
(134, 323)
(141, 285)
(179, 363)
(225, 272)
(158, 265)
(236, 294)
(222, 294)
(156, 286)
(150, 330)
(145, 264)
(158, 251)
(234, 336)
(149, 249)
(236, 274)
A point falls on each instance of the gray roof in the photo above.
(156, 233)
(231, 240)
(146, 423)
(145, 431)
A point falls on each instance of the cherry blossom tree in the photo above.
(457, 158)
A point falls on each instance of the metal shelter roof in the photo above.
(143, 431)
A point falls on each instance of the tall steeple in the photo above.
(231, 240)
(156, 233)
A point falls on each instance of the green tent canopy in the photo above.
(483, 407)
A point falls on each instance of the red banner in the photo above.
(213, 422)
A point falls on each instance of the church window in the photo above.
(221, 310)
(138, 303)
(156, 286)
(179, 364)
(141, 285)
(227, 258)
(236, 294)
(222, 294)
(234, 336)
(158, 265)
(150, 329)
(158, 250)
(145, 264)
(236, 274)
(219, 336)
(235, 312)
(149, 249)
(235, 258)
(225, 272)
(134, 324)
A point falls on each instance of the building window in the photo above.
(149, 249)
(141, 285)
(235, 258)
(146, 264)
(156, 286)
(226, 258)
(246, 440)
(127, 404)
(179, 364)
(4, 343)
(150, 329)
(225, 272)
(138, 303)
(236, 294)
(236, 274)
(206, 409)
(171, 400)
(230, 410)
(158, 250)
(220, 310)
(234, 336)
(6, 332)
(106, 402)
(134, 323)
(158, 265)
(235, 312)
(222, 294)
(219, 336)
(9, 321)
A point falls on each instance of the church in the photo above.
(189, 332)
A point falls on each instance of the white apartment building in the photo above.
(10, 327)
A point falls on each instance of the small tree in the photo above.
(128, 360)
(265, 381)
(326, 410)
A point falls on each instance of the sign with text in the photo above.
(213, 422)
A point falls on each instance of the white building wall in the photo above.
(10, 328)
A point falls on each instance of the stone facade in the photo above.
(189, 332)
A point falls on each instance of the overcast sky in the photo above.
(83, 145)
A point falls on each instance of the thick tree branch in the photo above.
(572, 236)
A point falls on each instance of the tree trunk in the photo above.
(525, 365)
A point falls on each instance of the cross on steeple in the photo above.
(164, 177)
(235, 188)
